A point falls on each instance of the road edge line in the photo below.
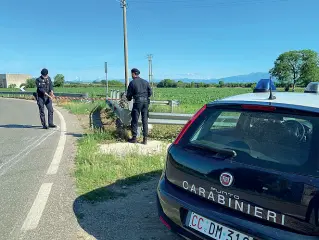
(54, 166)
(33, 218)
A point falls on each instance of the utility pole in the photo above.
(123, 5)
(150, 70)
(107, 82)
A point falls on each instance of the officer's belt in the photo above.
(140, 99)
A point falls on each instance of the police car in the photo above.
(246, 167)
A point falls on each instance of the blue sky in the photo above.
(188, 38)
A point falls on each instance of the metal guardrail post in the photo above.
(117, 95)
(130, 105)
(171, 104)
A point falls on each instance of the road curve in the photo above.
(29, 159)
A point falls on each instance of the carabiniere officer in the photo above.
(140, 91)
(44, 97)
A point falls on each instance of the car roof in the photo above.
(302, 101)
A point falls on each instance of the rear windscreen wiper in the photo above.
(208, 146)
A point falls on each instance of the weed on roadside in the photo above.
(165, 132)
(81, 107)
(95, 170)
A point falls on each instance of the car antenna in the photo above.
(271, 96)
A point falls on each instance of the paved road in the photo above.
(36, 194)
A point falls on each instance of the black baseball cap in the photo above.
(136, 71)
(44, 72)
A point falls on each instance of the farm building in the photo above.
(8, 79)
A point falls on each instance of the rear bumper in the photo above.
(174, 204)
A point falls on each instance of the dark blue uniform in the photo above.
(44, 85)
(140, 91)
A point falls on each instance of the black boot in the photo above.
(132, 140)
(45, 127)
(52, 126)
(145, 140)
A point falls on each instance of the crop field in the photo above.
(191, 99)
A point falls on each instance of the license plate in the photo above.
(215, 230)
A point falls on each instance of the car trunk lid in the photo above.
(261, 162)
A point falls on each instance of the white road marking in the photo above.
(33, 218)
(24, 153)
(21, 152)
(35, 213)
(53, 169)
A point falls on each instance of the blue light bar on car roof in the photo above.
(264, 86)
(312, 87)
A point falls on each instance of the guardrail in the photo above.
(116, 95)
(164, 118)
(59, 95)
(74, 95)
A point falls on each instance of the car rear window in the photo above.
(279, 140)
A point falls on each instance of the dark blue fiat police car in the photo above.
(246, 167)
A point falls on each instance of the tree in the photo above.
(59, 80)
(115, 83)
(310, 68)
(221, 83)
(103, 82)
(30, 83)
(13, 85)
(180, 84)
(167, 83)
(294, 67)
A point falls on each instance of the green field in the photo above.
(191, 99)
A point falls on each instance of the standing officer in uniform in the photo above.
(44, 97)
(140, 91)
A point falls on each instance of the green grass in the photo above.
(96, 172)
(191, 99)
(92, 91)
(78, 108)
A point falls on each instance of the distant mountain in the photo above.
(248, 78)
(252, 77)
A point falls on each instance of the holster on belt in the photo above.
(141, 99)
(35, 95)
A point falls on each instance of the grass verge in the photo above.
(99, 176)
(80, 108)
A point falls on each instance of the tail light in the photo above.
(188, 124)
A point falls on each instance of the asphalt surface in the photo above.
(33, 204)
(37, 202)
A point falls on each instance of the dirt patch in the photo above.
(84, 120)
(133, 217)
(123, 148)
